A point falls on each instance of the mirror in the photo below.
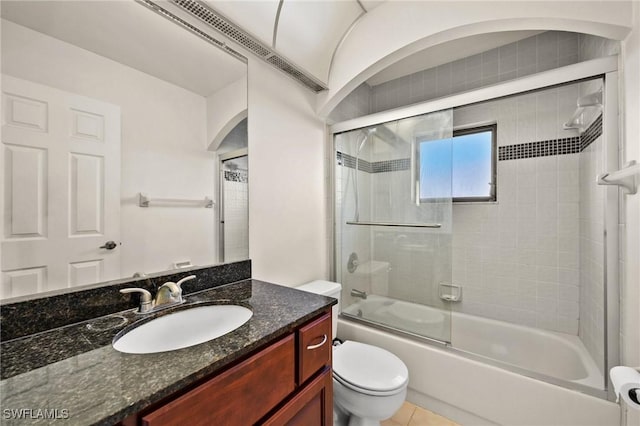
(114, 120)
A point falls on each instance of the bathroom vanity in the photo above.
(277, 385)
(274, 369)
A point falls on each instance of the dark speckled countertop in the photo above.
(75, 368)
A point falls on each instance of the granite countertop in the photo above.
(75, 370)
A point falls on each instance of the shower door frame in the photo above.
(607, 69)
(242, 152)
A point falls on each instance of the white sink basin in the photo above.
(182, 329)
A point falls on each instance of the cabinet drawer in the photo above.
(313, 406)
(240, 395)
(314, 347)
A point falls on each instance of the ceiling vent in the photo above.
(176, 20)
(221, 24)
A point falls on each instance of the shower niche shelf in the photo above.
(450, 292)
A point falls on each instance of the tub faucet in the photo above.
(359, 293)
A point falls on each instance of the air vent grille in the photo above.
(192, 28)
(235, 33)
(290, 69)
(225, 27)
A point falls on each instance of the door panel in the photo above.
(61, 188)
(87, 194)
(23, 282)
(87, 125)
(25, 192)
(24, 112)
(81, 273)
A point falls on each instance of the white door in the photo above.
(61, 184)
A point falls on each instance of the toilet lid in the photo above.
(369, 368)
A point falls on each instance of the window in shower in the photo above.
(472, 173)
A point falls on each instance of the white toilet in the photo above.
(369, 383)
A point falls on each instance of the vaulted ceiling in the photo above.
(307, 33)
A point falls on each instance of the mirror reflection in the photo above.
(124, 136)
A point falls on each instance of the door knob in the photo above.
(109, 245)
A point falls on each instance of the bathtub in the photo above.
(557, 355)
(506, 371)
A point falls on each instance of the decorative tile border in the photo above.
(592, 133)
(539, 149)
(375, 167)
(572, 145)
(391, 165)
(236, 176)
(562, 146)
(350, 162)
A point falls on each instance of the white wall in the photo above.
(287, 181)
(225, 109)
(163, 145)
(630, 224)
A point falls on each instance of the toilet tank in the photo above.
(330, 289)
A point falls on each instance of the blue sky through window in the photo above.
(469, 155)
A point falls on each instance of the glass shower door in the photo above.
(234, 209)
(393, 224)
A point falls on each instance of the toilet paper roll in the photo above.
(626, 380)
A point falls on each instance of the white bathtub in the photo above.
(485, 392)
(557, 355)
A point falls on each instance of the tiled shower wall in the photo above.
(351, 239)
(518, 259)
(536, 259)
(541, 52)
(592, 270)
(236, 215)
(403, 263)
(356, 104)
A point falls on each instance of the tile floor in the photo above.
(412, 415)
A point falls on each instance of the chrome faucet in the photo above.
(359, 293)
(168, 294)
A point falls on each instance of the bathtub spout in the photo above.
(359, 293)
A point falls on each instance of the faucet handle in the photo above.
(189, 278)
(145, 298)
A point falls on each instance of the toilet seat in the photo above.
(369, 369)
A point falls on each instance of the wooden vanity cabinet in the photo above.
(312, 406)
(288, 382)
(314, 347)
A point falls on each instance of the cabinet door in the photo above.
(239, 396)
(313, 406)
(314, 347)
